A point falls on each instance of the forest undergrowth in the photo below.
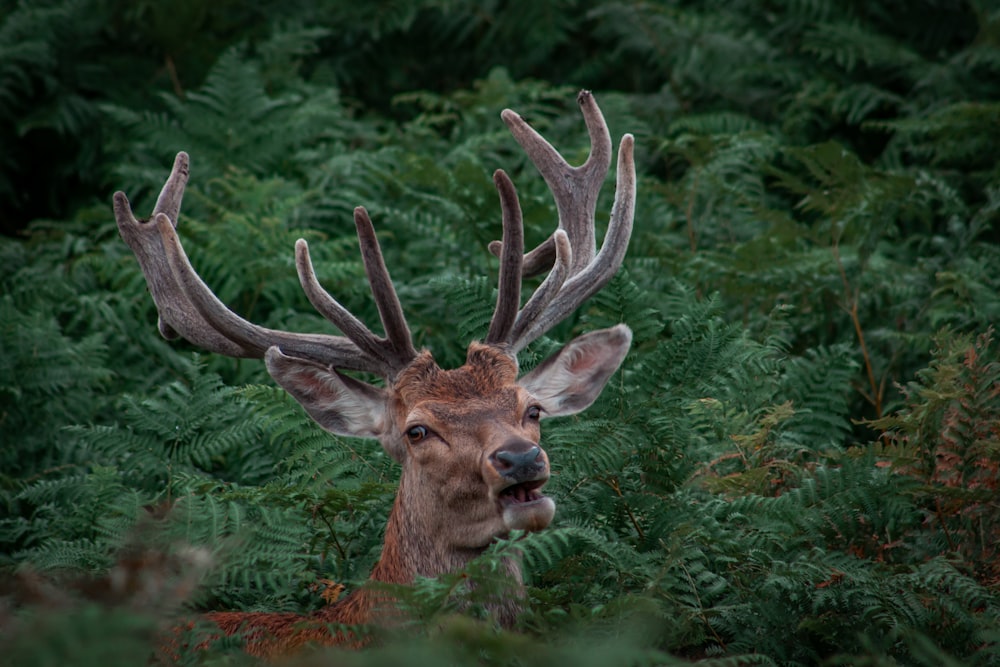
(797, 464)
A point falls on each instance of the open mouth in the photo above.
(522, 493)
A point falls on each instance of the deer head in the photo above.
(467, 438)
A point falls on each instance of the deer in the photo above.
(467, 438)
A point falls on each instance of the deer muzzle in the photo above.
(524, 470)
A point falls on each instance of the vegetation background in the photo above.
(799, 463)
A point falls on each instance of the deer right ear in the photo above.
(572, 378)
(338, 403)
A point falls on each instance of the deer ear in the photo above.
(572, 378)
(338, 403)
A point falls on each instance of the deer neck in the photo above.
(410, 551)
(413, 547)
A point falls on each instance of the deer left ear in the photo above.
(338, 403)
(572, 378)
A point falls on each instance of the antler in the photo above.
(576, 270)
(188, 308)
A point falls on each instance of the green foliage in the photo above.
(228, 121)
(48, 379)
(48, 76)
(947, 436)
(797, 463)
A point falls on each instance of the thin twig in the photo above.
(333, 534)
(944, 525)
(174, 78)
(689, 215)
(852, 296)
(613, 483)
(701, 606)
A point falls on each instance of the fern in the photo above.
(226, 123)
(49, 76)
(955, 134)
(946, 437)
(790, 468)
(849, 45)
(819, 386)
(46, 379)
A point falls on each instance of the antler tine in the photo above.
(511, 260)
(548, 290)
(577, 270)
(535, 262)
(390, 310)
(188, 308)
(575, 189)
(330, 308)
(396, 350)
(169, 201)
(582, 285)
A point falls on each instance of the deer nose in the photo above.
(519, 459)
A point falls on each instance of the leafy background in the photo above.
(798, 463)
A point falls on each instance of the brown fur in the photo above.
(471, 475)
(464, 406)
(474, 475)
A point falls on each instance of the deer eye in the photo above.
(416, 433)
(534, 413)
